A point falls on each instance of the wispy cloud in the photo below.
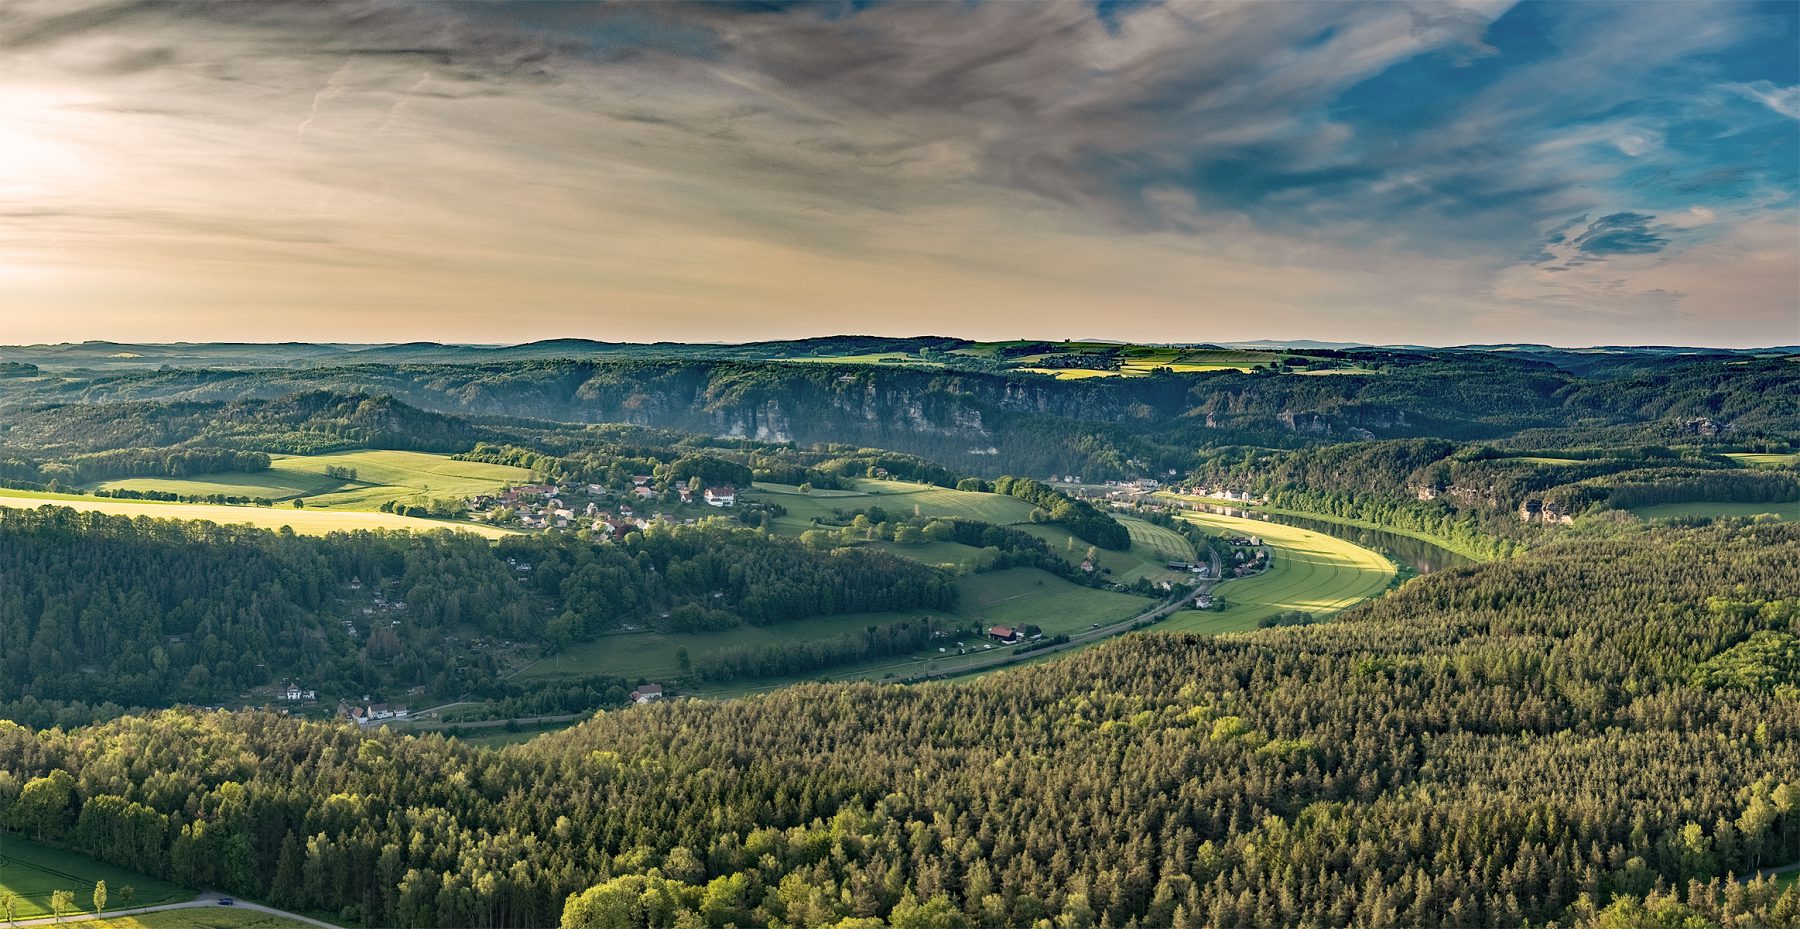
(1783, 100)
(656, 169)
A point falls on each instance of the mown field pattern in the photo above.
(1313, 572)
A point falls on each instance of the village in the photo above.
(610, 513)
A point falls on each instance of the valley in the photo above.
(655, 562)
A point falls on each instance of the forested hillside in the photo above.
(1548, 738)
(148, 612)
(987, 422)
(1481, 497)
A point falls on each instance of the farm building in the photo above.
(1006, 634)
(647, 693)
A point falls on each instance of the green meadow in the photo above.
(381, 476)
(1152, 548)
(1765, 459)
(1313, 572)
(1788, 511)
(32, 872)
(198, 917)
(1015, 596)
(899, 498)
(305, 521)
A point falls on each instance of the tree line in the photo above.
(1524, 741)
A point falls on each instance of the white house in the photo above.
(721, 496)
(648, 693)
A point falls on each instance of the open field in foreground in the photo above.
(1707, 508)
(197, 917)
(381, 476)
(308, 521)
(1313, 572)
(33, 872)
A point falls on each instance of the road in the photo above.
(204, 900)
(1184, 596)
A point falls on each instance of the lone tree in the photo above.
(99, 896)
(9, 902)
(61, 902)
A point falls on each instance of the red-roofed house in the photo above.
(647, 693)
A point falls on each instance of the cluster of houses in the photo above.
(1249, 562)
(380, 604)
(586, 506)
(1226, 493)
(292, 693)
(369, 714)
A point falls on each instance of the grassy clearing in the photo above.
(198, 917)
(381, 476)
(1765, 459)
(877, 358)
(1157, 541)
(899, 498)
(1012, 597)
(1313, 572)
(307, 521)
(1788, 511)
(1448, 545)
(33, 872)
(952, 555)
(1073, 374)
(499, 737)
(1152, 547)
(1544, 460)
(1206, 622)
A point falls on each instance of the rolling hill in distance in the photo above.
(893, 464)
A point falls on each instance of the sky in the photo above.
(1576, 173)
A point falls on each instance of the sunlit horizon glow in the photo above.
(1434, 173)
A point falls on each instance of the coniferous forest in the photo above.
(893, 464)
(1593, 733)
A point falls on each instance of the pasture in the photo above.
(304, 521)
(1544, 460)
(32, 872)
(198, 917)
(381, 476)
(1313, 572)
(1152, 547)
(899, 498)
(1788, 511)
(1765, 459)
(1012, 597)
(1141, 360)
